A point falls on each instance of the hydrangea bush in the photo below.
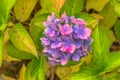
(66, 38)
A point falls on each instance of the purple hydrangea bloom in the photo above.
(66, 38)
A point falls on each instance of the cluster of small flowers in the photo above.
(66, 38)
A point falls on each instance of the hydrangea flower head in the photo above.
(66, 38)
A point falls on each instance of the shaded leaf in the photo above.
(97, 5)
(112, 76)
(36, 28)
(16, 53)
(4, 77)
(7, 57)
(22, 40)
(28, 72)
(100, 45)
(35, 69)
(23, 9)
(1, 46)
(117, 28)
(71, 7)
(41, 74)
(5, 8)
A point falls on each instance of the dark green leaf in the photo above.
(36, 28)
(28, 72)
(22, 40)
(1, 46)
(16, 53)
(71, 7)
(117, 28)
(35, 69)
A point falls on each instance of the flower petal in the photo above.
(75, 57)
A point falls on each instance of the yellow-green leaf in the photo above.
(16, 53)
(23, 9)
(22, 73)
(97, 5)
(22, 40)
(2, 23)
(1, 46)
(5, 8)
(117, 9)
(48, 6)
(109, 16)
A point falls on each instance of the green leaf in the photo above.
(71, 7)
(117, 28)
(28, 72)
(35, 69)
(111, 76)
(88, 18)
(1, 46)
(101, 44)
(36, 28)
(40, 70)
(47, 7)
(16, 53)
(23, 9)
(5, 8)
(109, 16)
(108, 32)
(111, 62)
(22, 40)
(97, 5)
(87, 73)
(2, 23)
(117, 9)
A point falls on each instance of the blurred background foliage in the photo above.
(21, 27)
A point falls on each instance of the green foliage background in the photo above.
(21, 28)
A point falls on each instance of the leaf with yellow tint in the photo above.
(6, 77)
(22, 40)
(22, 73)
(59, 4)
(6, 36)
(23, 9)
(8, 58)
(97, 5)
(65, 73)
